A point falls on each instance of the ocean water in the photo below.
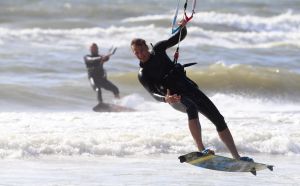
(248, 63)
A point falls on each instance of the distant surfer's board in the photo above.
(221, 163)
(108, 107)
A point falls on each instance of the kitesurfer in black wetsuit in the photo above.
(167, 82)
(97, 75)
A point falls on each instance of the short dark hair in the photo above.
(93, 45)
(138, 42)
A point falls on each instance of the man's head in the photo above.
(94, 49)
(140, 49)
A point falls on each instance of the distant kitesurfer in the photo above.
(167, 82)
(97, 75)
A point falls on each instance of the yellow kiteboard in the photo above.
(221, 163)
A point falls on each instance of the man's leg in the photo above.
(95, 85)
(111, 87)
(99, 95)
(227, 139)
(195, 129)
(188, 106)
(208, 109)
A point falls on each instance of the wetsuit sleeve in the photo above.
(150, 88)
(173, 40)
(98, 59)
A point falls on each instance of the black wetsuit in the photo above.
(97, 76)
(159, 73)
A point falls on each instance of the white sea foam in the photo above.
(286, 22)
(155, 129)
(235, 39)
(121, 36)
(147, 18)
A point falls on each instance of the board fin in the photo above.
(270, 167)
(253, 171)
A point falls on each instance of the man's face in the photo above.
(94, 50)
(141, 52)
